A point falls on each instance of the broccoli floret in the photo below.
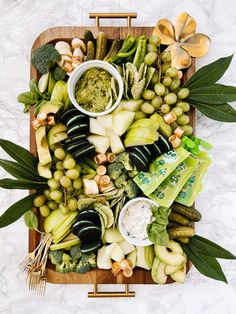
(124, 159)
(59, 74)
(82, 267)
(44, 58)
(75, 252)
(131, 189)
(114, 170)
(133, 173)
(67, 265)
(89, 258)
(56, 256)
(121, 181)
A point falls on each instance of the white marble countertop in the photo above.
(20, 22)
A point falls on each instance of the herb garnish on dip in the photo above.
(93, 90)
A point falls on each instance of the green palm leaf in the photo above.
(12, 184)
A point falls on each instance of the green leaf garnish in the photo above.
(21, 184)
(31, 220)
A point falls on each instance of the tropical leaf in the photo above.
(206, 265)
(20, 154)
(31, 220)
(12, 184)
(209, 74)
(213, 94)
(15, 211)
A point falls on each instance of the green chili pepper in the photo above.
(140, 52)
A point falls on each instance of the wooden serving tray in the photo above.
(96, 276)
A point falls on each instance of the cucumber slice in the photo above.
(76, 146)
(102, 214)
(108, 212)
(87, 248)
(89, 234)
(75, 129)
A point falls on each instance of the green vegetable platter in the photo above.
(102, 184)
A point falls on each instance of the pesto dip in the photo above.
(93, 90)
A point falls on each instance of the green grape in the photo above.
(60, 153)
(58, 174)
(69, 163)
(183, 119)
(56, 195)
(165, 67)
(44, 211)
(165, 108)
(183, 93)
(151, 48)
(155, 40)
(52, 205)
(184, 106)
(167, 81)
(155, 78)
(157, 102)
(175, 84)
(188, 129)
(148, 94)
(147, 108)
(47, 194)
(72, 173)
(172, 72)
(53, 184)
(68, 156)
(166, 91)
(54, 160)
(166, 56)
(78, 167)
(178, 111)
(150, 58)
(170, 99)
(39, 200)
(72, 204)
(65, 182)
(77, 183)
(59, 165)
(139, 115)
(159, 89)
(173, 125)
(64, 209)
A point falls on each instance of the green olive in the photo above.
(167, 81)
(183, 93)
(151, 48)
(165, 108)
(150, 58)
(159, 89)
(157, 102)
(39, 200)
(170, 99)
(44, 211)
(188, 129)
(172, 72)
(149, 94)
(166, 56)
(147, 108)
(175, 84)
(184, 106)
(178, 111)
(183, 119)
(155, 40)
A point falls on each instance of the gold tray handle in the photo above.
(97, 294)
(98, 16)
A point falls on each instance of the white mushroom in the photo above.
(62, 45)
(63, 60)
(67, 66)
(76, 42)
(78, 53)
(65, 52)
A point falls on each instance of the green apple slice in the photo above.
(133, 141)
(131, 105)
(122, 121)
(146, 123)
(143, 132)
(101, 143)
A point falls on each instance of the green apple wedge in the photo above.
(133, 141)
(146, 123)
(147, 133)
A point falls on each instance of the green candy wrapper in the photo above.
(160, 169)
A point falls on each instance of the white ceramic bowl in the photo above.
(79, 71)
(133, 241)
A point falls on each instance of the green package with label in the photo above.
(160, 169)
(167, 191)
(194, 185)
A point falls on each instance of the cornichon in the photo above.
(88, 36)
(184, 240)
(189, 212)
(115, 46)
(140, 51)
(180, 232)
(180, 219)
(90, 51)
(101, 46)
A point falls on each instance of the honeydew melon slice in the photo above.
(126, 247)
(101, 143)
(113, 235)
(122, 121)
